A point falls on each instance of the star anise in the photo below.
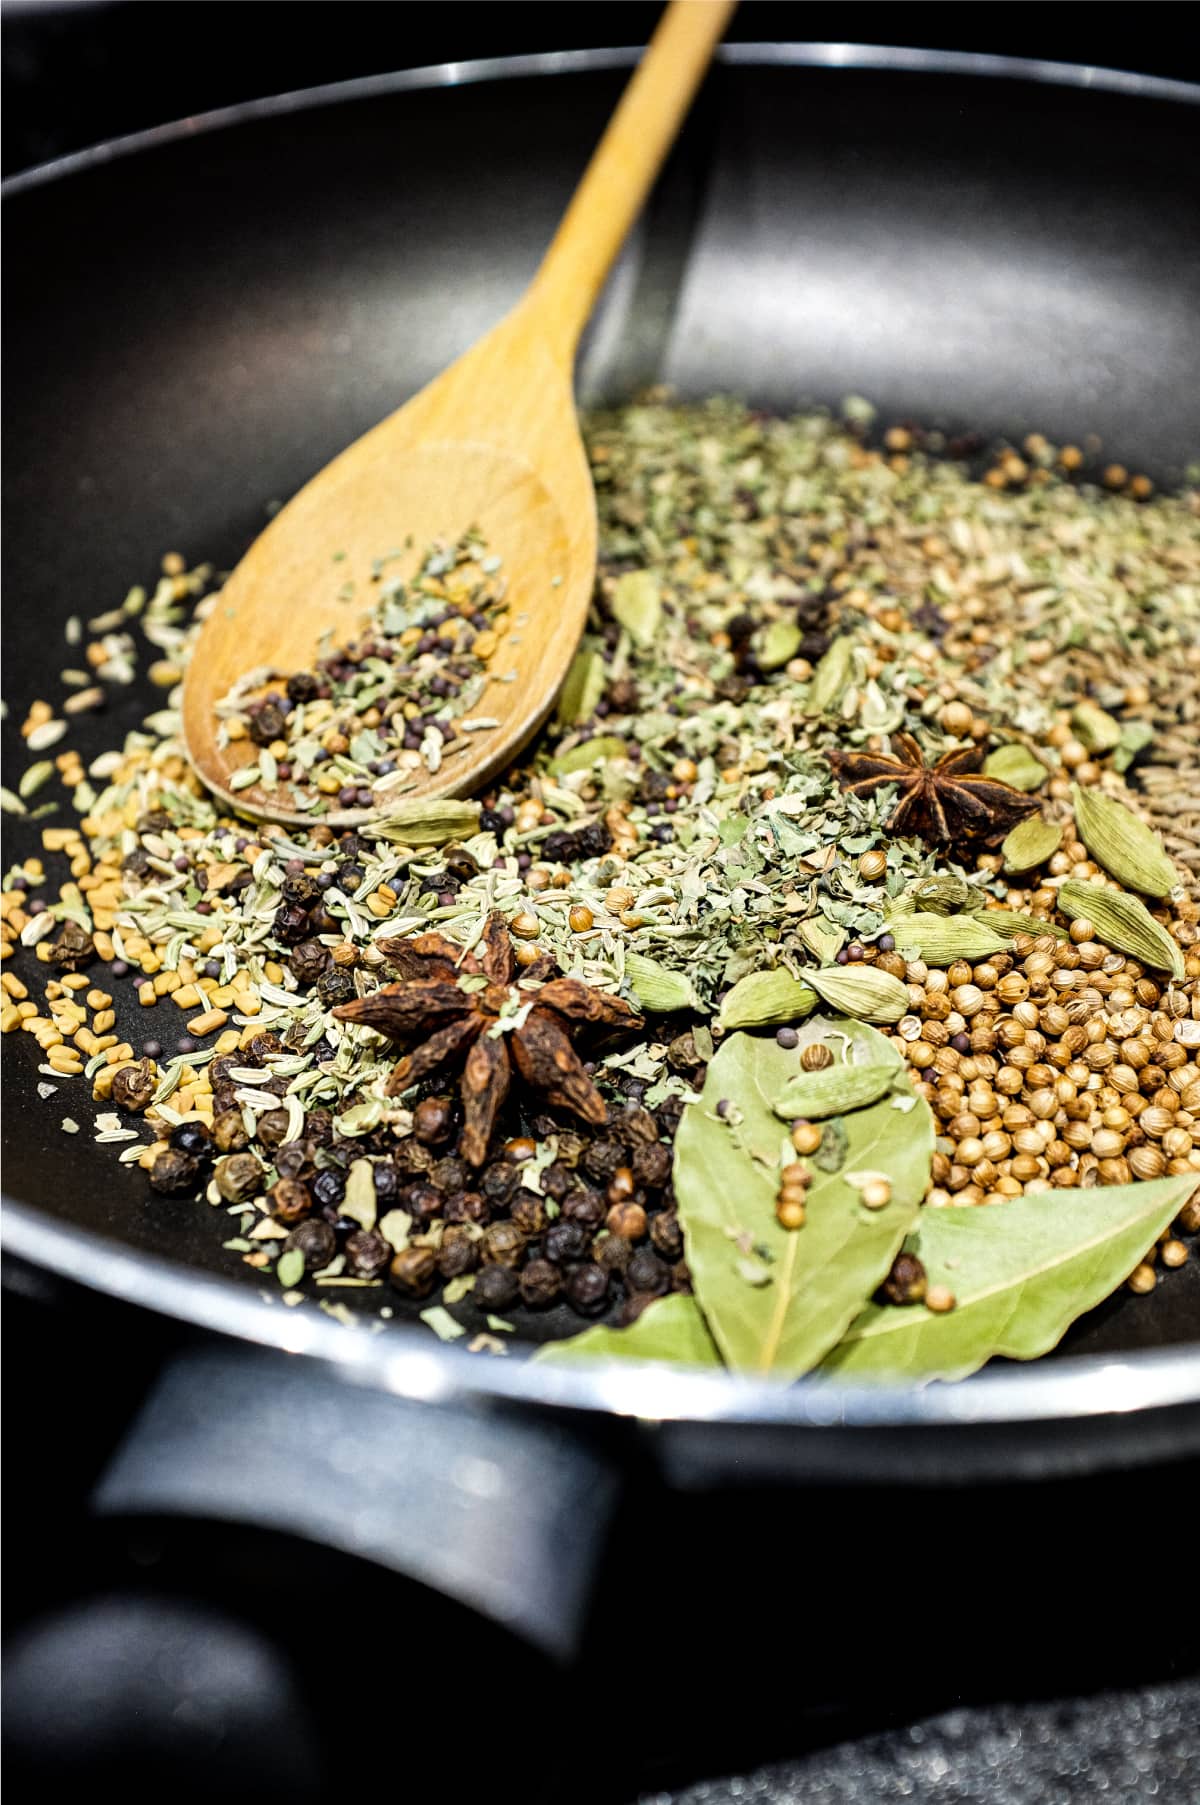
(948, 800)
(498, 1030)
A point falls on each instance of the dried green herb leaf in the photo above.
(823, 938)
(1123, 922)
(835, 1091)
(1128, 849)
(586, 754)
(831, 1154)
(727, 1181)
(637, 605)
(1135, 737)
(1095, 728)
(672, 1330)
(830, 677)
(940, 939)
(1021, 1272)
(583, 688)
(289, 1268)
(442, 1323)
(766, 999)
(1017, 766)
(1031, 843)
(420, 823)
(863, 991)
(657, 989)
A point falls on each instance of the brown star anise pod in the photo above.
(450, 1019)
(948, 800)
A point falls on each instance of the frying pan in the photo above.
(199, 317)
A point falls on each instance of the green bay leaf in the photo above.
(727, 1170)
(1021, 1273)
(672, 1329)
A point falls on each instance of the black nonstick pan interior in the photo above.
(194, 328)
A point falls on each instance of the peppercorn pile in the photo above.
(840, 706)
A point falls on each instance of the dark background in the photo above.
(78, 73)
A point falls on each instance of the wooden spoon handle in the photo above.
(620, 174)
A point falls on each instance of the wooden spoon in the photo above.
(494, 443)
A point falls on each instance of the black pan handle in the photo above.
(503, 1511)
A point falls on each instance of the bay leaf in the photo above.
(1021, 1272)
(727, 1180)
(673, 1329)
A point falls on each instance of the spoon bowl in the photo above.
(493, 444)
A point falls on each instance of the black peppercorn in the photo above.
(651, 1164)
(315, 1240)
(423, 1203)
(666, 1235)
(612, 1254)
(588, 1208)
(541, 1285)
(300, 891)
(386, 1181)
(433, 1120)
(367, 1254)
(670, 1114)
(457, 1254)
(267, 724)
(272, 1127)
(565, 1242)
(460, 864)
(587, 1289)
(639, 1128)
(224, 1098)
(302, 686)
(601, 1160)
(529, 1213)
(134, 1085)
(905, 1283)
(415, 1271)
(556, 1182)
(291, 1199)
(502, 1245)
(309, 961)
(239, 1176)
(335, 986)
(450, 1174)
(290, 924)
(681, 1278)
(468, 1206)
(295, 1159)
(328, 1187)
(223, 1067)
(500, 1181)
(265, 1046)
(174, 1173)
(229, 1132)
(646, 1272)
(318, 1126)
(194, 1138)
(495, 1290)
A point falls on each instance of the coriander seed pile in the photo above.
(875, 779)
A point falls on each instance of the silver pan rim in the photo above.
(409, 1362)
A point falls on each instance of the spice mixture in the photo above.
(857, 734)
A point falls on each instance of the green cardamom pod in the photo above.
(766, 999)
(862, 991)
(775, 643)
(582, 690)
(812, 1096)
(831, 676)
(421, 823)
(942, 895)
(1016, 766)
(1128, 849)
(1008, 923)
(1030, 844)
(588, 752)
(1095, 728)
(823, 938)
(940, 939)
(1123, 922)
(659, 990)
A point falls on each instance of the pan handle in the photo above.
(502, 1510)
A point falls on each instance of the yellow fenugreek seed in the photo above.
(10, 982)
(103, 1020)
(208, 1023)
